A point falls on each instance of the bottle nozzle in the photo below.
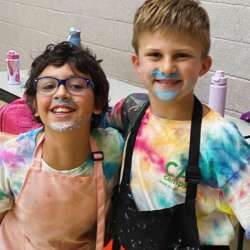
(12, 54)
(246, 117)
(219, 78)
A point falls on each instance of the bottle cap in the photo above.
(74, 36)
(74, 30)
(246, 117)
(12, 54)
(219, 78)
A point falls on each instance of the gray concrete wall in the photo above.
(29, 25)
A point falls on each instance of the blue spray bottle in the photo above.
(74, 36)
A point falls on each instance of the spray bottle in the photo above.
(13, 67)
(245, 116)
(217, 92)
(74, 36)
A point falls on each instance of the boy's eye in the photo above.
(154, 55)
(182, 56)
(47, 85)
(76, 86)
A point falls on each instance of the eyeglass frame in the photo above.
(63, 82)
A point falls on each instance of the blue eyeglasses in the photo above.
(74, 85)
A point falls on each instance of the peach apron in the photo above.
(54, 211)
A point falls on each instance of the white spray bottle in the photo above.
(217, 92)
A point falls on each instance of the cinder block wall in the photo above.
(29, 25)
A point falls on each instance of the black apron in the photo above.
(172, 228)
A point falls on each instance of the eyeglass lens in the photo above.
(75, 85)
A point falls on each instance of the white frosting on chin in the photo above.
(64, 126)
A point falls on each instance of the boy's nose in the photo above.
(168, 67)
(62, 92)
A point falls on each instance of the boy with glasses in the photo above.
(56, 181)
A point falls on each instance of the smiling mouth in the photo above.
(167, 81)
(62, 110)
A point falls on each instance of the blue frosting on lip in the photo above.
(166, 95)
(161, 75)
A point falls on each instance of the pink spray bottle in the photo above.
(13, 67)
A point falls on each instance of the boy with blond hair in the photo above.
(186, 170)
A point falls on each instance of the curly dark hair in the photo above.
(79, 58)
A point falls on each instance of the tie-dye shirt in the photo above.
(16, 156)
(159, 161)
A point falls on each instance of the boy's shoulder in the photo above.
(106, 132)
(18, 145)
(212, 120)
(6, 137)
(219, 131)
(108, 138)
(131, 108)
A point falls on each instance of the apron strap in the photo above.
(38, 152)
(129, 147)
(97, 157)
(193, 175)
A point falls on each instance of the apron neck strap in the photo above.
(97, 157)
(193, 174)
(38, 151)
(129, 147)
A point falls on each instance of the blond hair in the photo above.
(185, 16)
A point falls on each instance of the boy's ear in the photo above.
(206, 65)
(97, 110)
(34, 107)
(135, 61)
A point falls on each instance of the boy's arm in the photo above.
(239, 202)
(5, 136)
(6, 198)
(123, 114)
(6, 195)
(237, 191)
(1, 216)
(113, 118)
(227, 155)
